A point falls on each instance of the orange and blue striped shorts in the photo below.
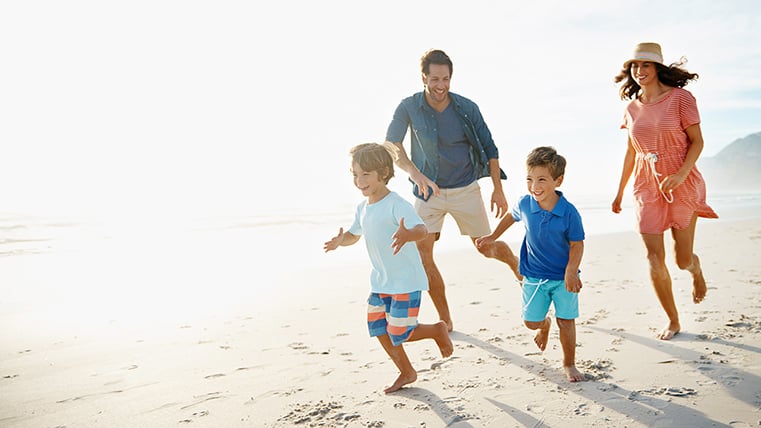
(393, 314)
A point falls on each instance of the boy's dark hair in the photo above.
(434, 56)
(375, 157)
(549, 158)
(673, 75)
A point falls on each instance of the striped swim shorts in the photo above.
(393, 314)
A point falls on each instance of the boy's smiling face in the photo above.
(372, 185)
(542, 186)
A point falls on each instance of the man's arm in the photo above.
(404, 163)
(498, 200)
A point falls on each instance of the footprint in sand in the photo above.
(215, 375)
(298, 346)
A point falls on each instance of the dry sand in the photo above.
(306, 360)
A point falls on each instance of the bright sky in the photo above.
(233, 107)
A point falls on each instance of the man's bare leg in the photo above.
(567, 332)
(436, 287)
(501, 251)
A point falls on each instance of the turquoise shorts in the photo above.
(539, 293)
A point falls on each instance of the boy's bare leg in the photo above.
(501, 251)
(567, 332)
(543, 335)
(437, 332)
(661, 279)
(436, 287)
(407, 373)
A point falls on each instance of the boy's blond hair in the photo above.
(376, 157)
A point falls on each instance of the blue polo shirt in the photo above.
(547, 243)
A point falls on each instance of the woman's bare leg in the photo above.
(686, 259)
(661, 279)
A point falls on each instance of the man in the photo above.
(451, 148)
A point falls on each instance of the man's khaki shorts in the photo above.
(464, 204)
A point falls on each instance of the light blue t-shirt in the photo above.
(547, 244)
(392, 273)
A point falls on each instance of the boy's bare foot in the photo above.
(401, 381)
(543, 335)
(668, 332)
(442, 339)
(573, 374)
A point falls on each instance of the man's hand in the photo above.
(424, 184)
(498, 203)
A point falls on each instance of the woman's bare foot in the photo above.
(543, 335)
(401, 381)
(442, 339)
(668, 332)
(699, 288)
(450, 326)
(573, 374)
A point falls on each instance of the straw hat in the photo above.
(646, 52)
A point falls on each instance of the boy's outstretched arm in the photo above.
(504, 224)
(343, 239)
(404, 235)
(572, 280)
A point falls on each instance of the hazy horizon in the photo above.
(153, 109)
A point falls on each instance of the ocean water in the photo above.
(76, 269)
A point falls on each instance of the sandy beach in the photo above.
(304, 358)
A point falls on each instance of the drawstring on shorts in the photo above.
(538, 284)
(651, 158)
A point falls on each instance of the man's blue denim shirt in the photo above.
(415, 113)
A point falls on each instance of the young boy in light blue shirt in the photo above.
(397, 280)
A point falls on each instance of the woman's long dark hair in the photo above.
(672, 75)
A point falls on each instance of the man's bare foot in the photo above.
(668, 332)
(442, 339)
(450, 326)
(573, 374)
(401, 381)
(543, 335)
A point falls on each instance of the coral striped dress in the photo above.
(657, 132)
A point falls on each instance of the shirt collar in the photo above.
(558, 210)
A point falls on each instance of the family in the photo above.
(451, 148)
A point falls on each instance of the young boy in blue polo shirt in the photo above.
(550, 254)
(389, 223)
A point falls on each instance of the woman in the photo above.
(664, 142)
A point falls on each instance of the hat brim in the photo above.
(645, 56)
